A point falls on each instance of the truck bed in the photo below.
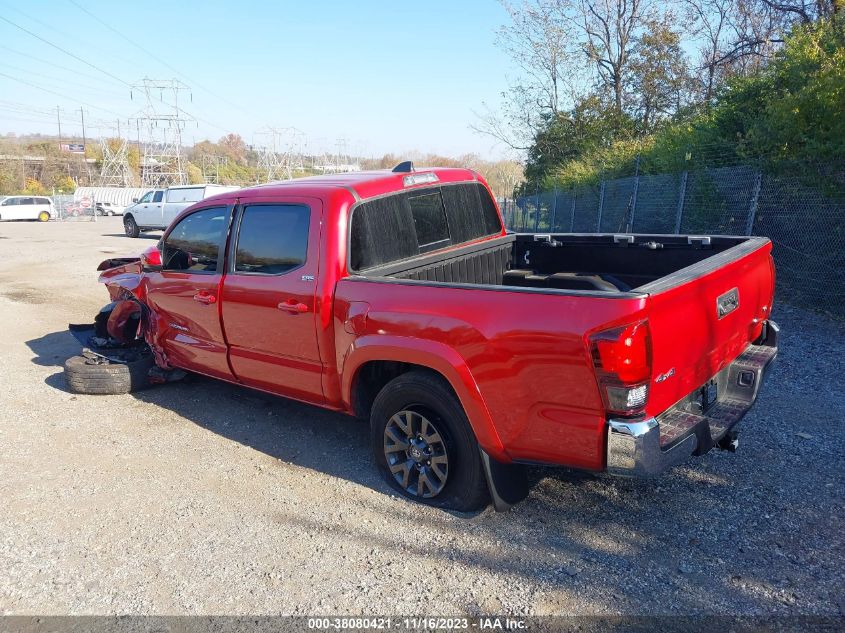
(523, 307)
(587, 263)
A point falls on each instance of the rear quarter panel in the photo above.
(518, 361)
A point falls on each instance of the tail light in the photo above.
(151, 258)
(622, 359)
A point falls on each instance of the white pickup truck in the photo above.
(157, 208)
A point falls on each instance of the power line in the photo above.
(60, 80)
(59, 35)
(156, 57)
(56, 66)
(58, 94)
(66, 52)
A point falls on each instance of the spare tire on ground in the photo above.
(100, 376)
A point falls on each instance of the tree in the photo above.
(542, 41)
(234, 147)
(611, 27)
(710, 22)
(657, 70)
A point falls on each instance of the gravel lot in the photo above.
(201, 497)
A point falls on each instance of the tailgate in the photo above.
(702, 317)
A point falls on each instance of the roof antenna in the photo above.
(404, 167)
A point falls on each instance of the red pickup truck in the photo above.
(398, 296)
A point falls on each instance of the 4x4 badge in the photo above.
(663, 377)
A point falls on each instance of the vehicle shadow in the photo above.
(147, 236)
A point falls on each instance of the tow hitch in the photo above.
(729, 442)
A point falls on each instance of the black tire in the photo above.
(131, 227)
(431, 397)
(85, 376)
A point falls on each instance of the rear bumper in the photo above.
(643, 448)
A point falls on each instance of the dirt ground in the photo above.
(202, 498)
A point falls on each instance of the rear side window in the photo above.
(194, 244)
(42, 201)
(406, 224)
(191, 194)
(157, 196)
(272, 239)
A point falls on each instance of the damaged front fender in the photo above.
(124, 281)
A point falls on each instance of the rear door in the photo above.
(157, 209)
(268, 297)
(143, 211)
(701, 324)
(184, 295)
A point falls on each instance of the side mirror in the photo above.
(134, 199)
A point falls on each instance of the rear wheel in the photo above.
(131, 227)
(424, 446)
(84, 375)
(43, 216)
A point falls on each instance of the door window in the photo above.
(147, 197)
(273, 239)
(11, 201)
(190, 194)
(27, 201)
(194, 244)
(157, 196)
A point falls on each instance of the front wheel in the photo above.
(43, 216)
(424, 446)
(131, 227)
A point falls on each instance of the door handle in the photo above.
(293, 306)
(205, 297)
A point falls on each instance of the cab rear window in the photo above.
(407, 224)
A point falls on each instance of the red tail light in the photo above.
(622, 359)
(151, 258)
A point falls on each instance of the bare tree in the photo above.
(709, 20)
(611, 27)
(543, 43)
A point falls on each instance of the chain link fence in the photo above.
(71, 209)
(804, 220)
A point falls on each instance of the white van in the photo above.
(26, 208)
(157, 209)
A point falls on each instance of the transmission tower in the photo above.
(159, 126)
(281, 151)
(115, 171)
(211, 168)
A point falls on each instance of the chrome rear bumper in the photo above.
(643, 448)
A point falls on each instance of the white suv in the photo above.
(27, 208)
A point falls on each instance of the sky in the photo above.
(385, 76)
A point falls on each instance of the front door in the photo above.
(184, 296)
(144, 211)
(268, 301)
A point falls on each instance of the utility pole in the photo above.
(59, 120)
(82, 117)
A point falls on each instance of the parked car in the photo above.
(38, 208)
(157, 208)
(110, 208)
(400, 298)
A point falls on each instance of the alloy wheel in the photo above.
(416, 453)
